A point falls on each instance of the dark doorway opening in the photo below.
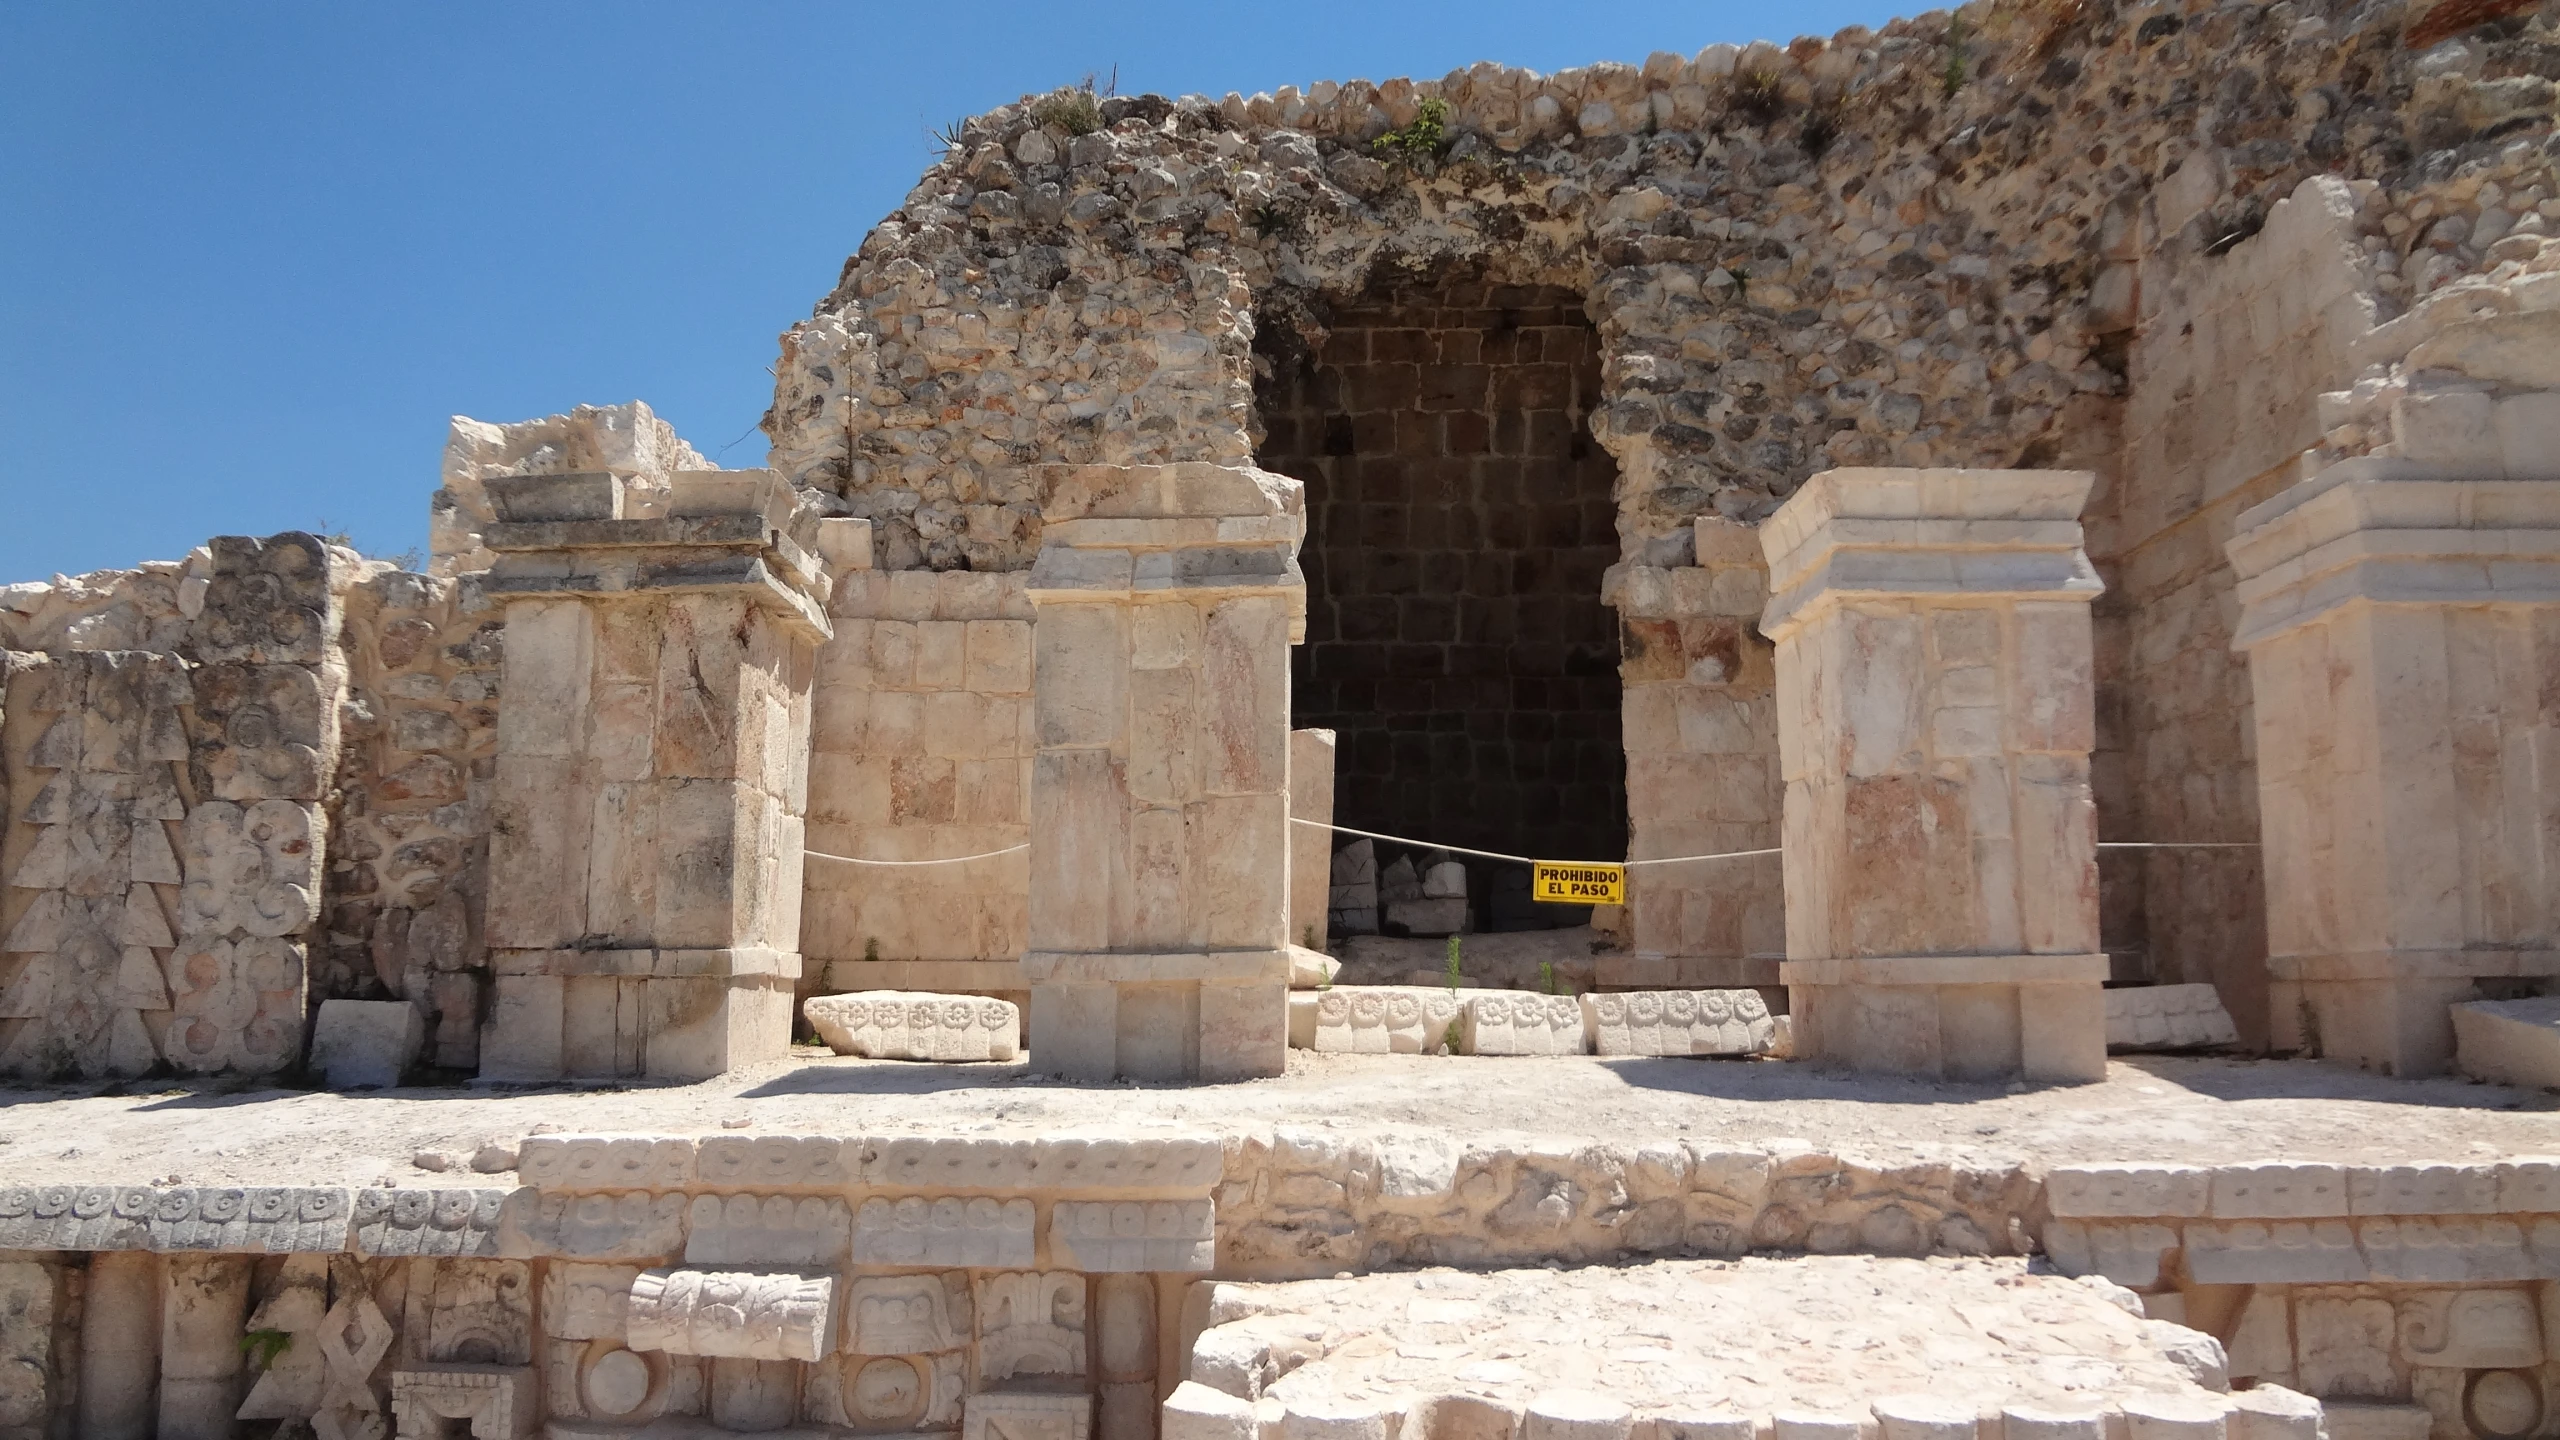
(1459, 519)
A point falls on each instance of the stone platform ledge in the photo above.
(1053, 967)
(1823, 1346)
(1948, 970)
(738, 963)
(2484, 962)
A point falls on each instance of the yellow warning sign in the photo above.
(1560, 882)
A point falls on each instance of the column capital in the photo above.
(1189, 531)
(1949, 534)
(2389, 531)
(601, 535)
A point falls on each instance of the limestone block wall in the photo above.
(409, 818)
(922, 722)
(1702, 768)
(2233, 349)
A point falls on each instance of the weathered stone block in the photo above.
(366, 1042)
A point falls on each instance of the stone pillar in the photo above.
(1935, 719)
(201, 1325)
(652, 773)
(2402, 625)
(1165, 599)
(120, 1346)
(1310, 845)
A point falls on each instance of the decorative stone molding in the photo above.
(1386, 1019)
(904, 1025)
(1519, 1023)
(1027, 1417)
(428, 1222)
(738, 1315)
(977, 1231)
(766, 1230)
(1935, 707)
(1031, 1322)
(766, 1163)
(499, 1402)
(1133, 1235)
(1678, 1022)
(906, 1314)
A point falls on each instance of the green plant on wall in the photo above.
(263, 1346)
(1424, 139)
(1452, 970)
(1547, 976)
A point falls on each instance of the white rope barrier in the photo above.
(1531, 860)
(951, 860)
(1524, 859)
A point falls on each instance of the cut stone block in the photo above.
(2352, 1420)
(366, 1042)
(1428, 917)
(1498, 1023)
(1309, 969)
(910, 1025)
(1445, 881)
(1678, 1022)
(2168, 1017)
(1385, 1019)
(2510, 1042)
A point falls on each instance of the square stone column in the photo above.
(1935, 718)
(1165, 600)
(652, 773)
(2403, 627)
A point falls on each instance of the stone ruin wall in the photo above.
(1791, 259)
(1979, 239)
(238, 785)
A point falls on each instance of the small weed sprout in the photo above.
(1424, 139)
(1759, 94)
(1451, 1039)
(263, 1346)
(1452, 971)
(1951, 78)
(1076, 109)
(1547, 977)
(949, 137)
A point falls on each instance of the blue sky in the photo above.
(253, 255)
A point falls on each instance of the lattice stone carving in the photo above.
(1679, 1022)
(261, 733)
(731, 1314)
(81, 956)
(237, 1004)
(250, 868)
